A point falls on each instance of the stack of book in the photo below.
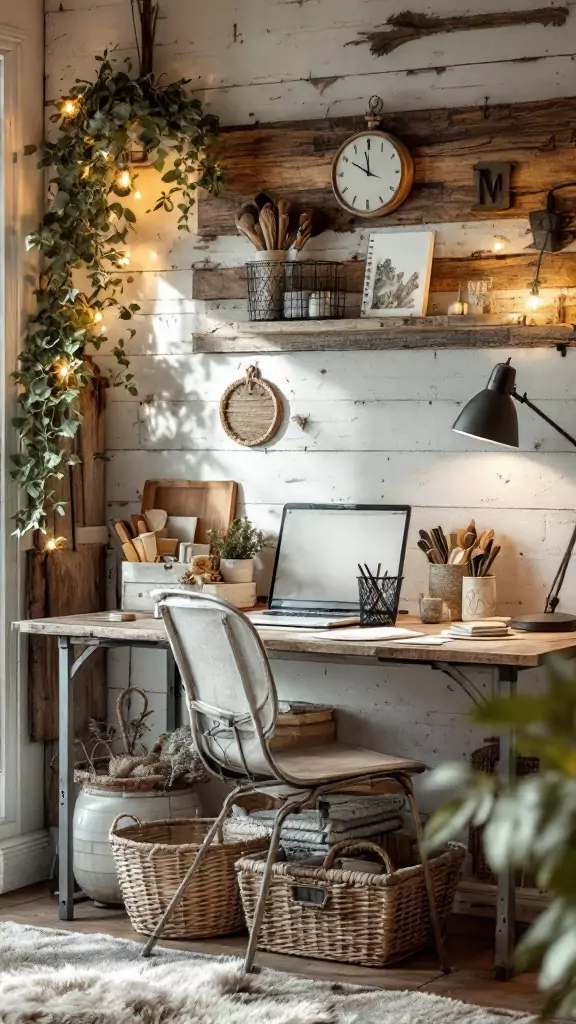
(483, 629)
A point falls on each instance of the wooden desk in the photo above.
(506, 657)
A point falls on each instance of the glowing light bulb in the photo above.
(54, 543)
(124, 179)
(153, 255)
(137, 194)
(103, 329)
(97, 317)
(533, 301)
(69, 108)
(62, 370)
(124, 260)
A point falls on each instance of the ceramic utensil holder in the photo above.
(446, 582)
(478, 598)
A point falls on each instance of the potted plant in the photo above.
(236, 547)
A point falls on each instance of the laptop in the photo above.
(315, 578)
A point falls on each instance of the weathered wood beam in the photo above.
(293, 160)
(373, 335)
(409, 26)
(448, 275)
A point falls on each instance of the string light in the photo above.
(153, 255)
(54, 543)
(124, 260)
(533, 301)
(97, 316)
(124, 179)
(69, 108)
(62, 370)
(137, 194)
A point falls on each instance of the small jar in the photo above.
(320, 305)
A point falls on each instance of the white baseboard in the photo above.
(24, 860)
(480, 899)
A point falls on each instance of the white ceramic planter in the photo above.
(93, 815)
(478, 598)
(237, 570)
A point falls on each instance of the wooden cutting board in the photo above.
(212, 501)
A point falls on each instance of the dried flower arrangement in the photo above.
(202, 570)
(172, 763)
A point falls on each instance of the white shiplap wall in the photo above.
(379, 422)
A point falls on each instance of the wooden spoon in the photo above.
(156, 519)
(283, 222)
(268, 225)
(247, 227)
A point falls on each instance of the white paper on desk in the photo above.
(425, 641)
(366, 635)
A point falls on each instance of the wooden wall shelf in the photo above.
(373, 334)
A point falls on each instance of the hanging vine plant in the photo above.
(86, 227)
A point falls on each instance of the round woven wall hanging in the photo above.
(251, 410)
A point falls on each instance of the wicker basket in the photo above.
(486, 759)
(353, 917)
(151, 860)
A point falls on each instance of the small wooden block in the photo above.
(121, 616)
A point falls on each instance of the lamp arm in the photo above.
(560, 430)
(553, 599)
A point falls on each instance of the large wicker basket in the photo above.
(151, 860)
(354, 917)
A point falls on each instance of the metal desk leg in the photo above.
(66, 780)
(173, 683)
(506, 909)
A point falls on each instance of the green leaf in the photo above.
(129, 215)
(172, 175)
(29, 149)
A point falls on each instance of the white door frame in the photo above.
(13, 716)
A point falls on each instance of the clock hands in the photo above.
(367, 171)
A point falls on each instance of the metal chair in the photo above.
(233, 708)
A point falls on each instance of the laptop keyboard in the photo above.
(308, 613)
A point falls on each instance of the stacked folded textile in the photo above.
(337, 817)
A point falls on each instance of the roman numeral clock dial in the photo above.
(372, 174)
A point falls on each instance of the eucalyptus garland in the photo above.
(100, 125)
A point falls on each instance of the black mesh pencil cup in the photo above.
(379, 599)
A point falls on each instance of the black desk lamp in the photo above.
(491, 416)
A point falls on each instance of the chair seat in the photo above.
(332, 761)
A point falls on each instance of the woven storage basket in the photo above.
(151, 860)
(354, 917)
(486, 759)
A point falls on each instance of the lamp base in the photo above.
(545, 622)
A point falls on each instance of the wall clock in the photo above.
(372, 172)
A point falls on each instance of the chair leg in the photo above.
(283, 813)
(439, 941)
(216, 827)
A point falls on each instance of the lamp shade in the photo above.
(491, 414)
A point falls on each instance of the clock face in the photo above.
(372, 174)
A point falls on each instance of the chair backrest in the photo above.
(230, 690)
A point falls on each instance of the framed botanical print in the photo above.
(398, 268)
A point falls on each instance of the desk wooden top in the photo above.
(527, 651)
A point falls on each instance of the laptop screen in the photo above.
(320, 546)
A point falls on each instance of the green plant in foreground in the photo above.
(531, 824)
(240, 540)
(82, 238)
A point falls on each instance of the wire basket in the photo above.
(379, 599)
(303, 290)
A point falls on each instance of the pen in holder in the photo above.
(379, 599)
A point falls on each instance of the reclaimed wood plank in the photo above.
(289, 158)
(371, 334)
(526, 652)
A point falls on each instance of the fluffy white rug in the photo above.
(52, 977)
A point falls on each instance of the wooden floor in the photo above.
(470, 948)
